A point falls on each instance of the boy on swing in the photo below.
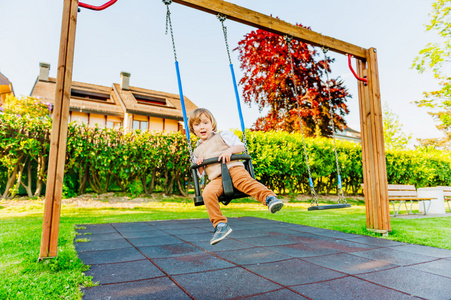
(222, 145)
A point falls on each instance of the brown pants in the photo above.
(243, 182)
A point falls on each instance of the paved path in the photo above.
(261, 259)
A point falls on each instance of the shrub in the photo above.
(141, 162)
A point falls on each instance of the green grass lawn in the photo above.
(22, 277)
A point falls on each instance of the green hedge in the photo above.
(135, 162)
(103, 160)
(279, 162)
(422, 167)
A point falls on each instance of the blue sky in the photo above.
(130, 36)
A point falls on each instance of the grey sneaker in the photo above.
(274, 204)
(220, 233)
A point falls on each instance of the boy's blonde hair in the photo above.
(195, 117)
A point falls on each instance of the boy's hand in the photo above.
(198, 162)
(225, 156)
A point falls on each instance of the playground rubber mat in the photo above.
(260, 259)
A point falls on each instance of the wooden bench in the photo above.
(403, 193)
(446, 195)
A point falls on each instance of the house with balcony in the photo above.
(117, 106)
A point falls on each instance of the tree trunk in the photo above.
(19, 179)
(148, 190)
(119, 183)
(168, 184)
(42, 165)
(83, 179)
(152, 181)
(10, 183)
(12, 178)
(28, 187)
(181, 186)
(143, 179)
(94, 183)
(38, 190)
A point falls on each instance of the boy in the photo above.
(222, 145)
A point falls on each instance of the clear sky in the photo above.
(130, 36)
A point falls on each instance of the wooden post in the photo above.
(373, 151)
(58, 139)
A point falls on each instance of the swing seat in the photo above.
(230, 192)
(331, 206)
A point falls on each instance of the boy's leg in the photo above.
(211, 194)
(243, 181)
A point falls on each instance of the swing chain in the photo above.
(290, 58)
(169, 25)
(222, 18)
(341, 197)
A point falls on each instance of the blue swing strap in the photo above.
(222, 19)
(179, 79)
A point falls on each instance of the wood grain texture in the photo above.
(274, 25)
(58, 138)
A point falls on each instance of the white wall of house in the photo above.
(97, 119)
(155, 124)
(171, 125)
(79, 117)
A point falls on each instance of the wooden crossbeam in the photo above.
(274, 25)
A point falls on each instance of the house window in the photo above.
(143, 99)
(113, 122)
(143, 125)
(76, 93)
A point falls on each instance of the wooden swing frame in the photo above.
(373, 152)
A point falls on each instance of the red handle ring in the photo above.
(101, 7)
(364, 79)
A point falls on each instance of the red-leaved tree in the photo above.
(268, 82)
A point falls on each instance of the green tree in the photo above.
(26, 106)
(24, 141)
(394, 137)
(436, 57)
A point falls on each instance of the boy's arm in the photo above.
(198, 161)
(200, 170)
(225, 156)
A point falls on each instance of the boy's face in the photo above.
(203, 127)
